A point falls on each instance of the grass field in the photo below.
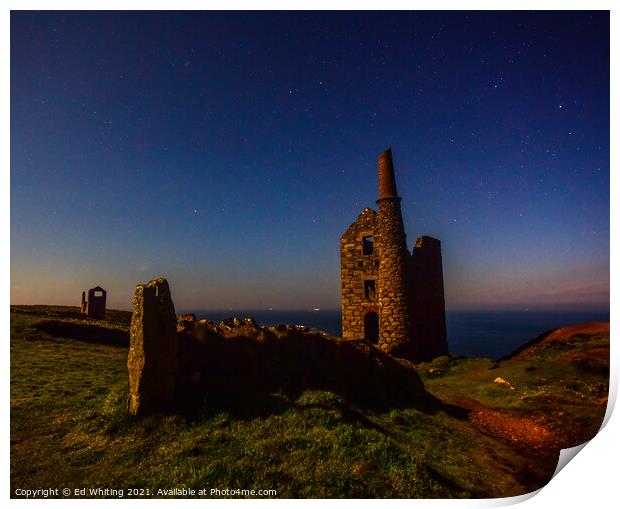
(69, 427)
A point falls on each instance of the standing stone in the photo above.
(153, 349)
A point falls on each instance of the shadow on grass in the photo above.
(86, 332)
(239, 372)
(255, 379)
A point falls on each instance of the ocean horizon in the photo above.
(470, 333)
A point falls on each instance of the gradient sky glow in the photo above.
(229, 151)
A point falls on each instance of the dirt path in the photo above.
(523, 432)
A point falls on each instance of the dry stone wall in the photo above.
(190, 364)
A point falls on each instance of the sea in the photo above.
(470, 333)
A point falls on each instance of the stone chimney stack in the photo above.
(394, 321)
(387, 180)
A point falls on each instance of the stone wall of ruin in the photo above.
(189, 364)
(409, 295)
(428, 316)
(355, 267)
(95, 308)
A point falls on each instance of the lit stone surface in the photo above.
(391, 297)
(153, 349)
(393, 292)
(355, 267)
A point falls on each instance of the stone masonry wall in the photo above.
(428, 316)
(393, 289)
(409, 296)
(355, 267)
(192, 365)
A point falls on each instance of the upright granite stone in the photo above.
(153, 349)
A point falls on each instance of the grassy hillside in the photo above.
(69, 427)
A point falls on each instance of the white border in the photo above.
(591, 479)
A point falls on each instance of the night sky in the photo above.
(229, 151)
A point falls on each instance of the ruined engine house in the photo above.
(390, 296)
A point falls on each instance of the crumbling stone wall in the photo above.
(83, 304)
(355, 268)
(189, 363)
(428, 315)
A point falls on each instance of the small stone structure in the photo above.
(95, 306)
(153, 349)
(389, 296)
